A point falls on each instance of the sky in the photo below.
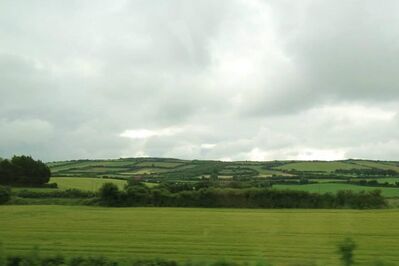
(223, 80)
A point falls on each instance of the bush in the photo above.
(5, 194)
(69, 193)
(345, 249)
(91, 261)
(110, 194)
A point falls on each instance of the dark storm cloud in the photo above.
(199, 79)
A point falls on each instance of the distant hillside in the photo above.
(166, 168)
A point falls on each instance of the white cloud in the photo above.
(208, 146)
(146, 133)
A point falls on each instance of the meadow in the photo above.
(281, 237)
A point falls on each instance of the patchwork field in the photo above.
(178, 169)
(282, 237)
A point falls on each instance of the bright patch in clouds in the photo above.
(147, 133)
(208, 146)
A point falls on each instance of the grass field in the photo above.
(319, 166)
(82, 183)
(333, 188)
(282, 237)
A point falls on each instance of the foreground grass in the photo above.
(282, 237)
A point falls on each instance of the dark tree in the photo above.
(109, 194)
(23, 170)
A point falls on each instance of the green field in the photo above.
(81, 183)
(89, 184)
(333, 188)
(320, 166)
(380, 165)
(282, 237)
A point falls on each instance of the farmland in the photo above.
(335, 175)
(281, 237)
(175, 168)
(58, 219)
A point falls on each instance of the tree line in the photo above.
(367, 172)
(23, 170)
(138, 194)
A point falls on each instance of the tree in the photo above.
(29, 171)
(214, 175)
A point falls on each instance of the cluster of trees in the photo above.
(23, 170)
(140, 195)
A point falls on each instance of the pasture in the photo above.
(282, 237)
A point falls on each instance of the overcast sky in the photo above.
(230, 80)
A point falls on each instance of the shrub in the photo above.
(5, 194)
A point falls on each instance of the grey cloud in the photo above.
(236, 79)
